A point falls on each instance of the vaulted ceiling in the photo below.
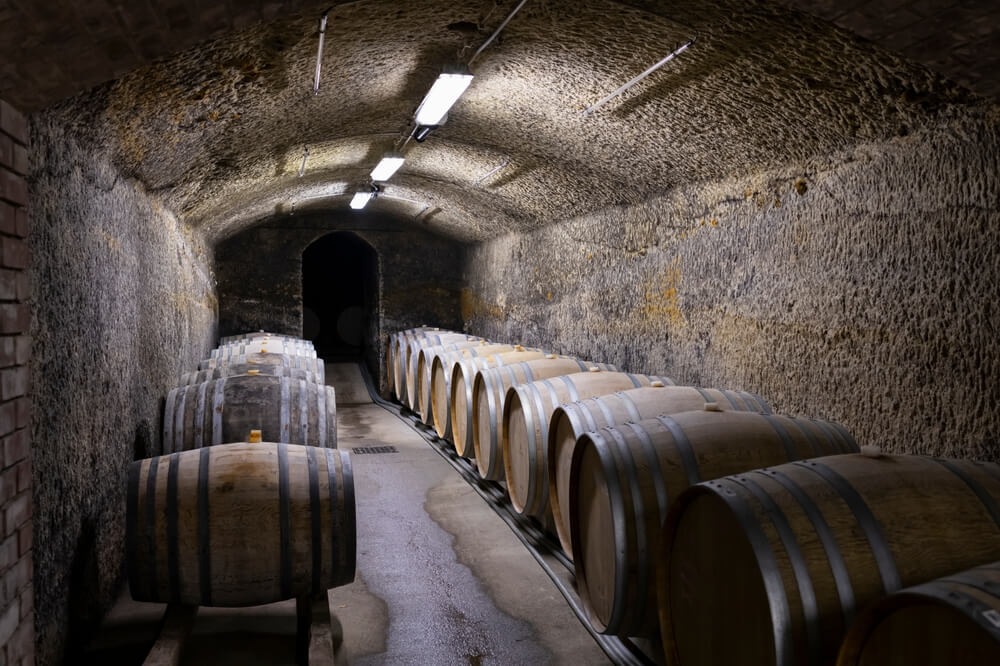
(211, 103)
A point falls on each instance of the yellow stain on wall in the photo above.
(660, 297)
(474, 306)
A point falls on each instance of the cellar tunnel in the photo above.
(802, 204)
(340, 297)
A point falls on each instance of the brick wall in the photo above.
(16, 596)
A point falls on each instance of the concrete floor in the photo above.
(441, 578)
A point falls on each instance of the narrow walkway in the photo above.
(441, 578)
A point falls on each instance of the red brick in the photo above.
(13, 188)
(21, 643)
(14, 318)
(15, 448)
(6, 151)
(13, 123)
(23, 412)
(14, 382)
(24, 286)
(23, 349)
(21, 163)
(15, 579)
(8, 218)
(16, 513)
(8, 485)
(14, 252)
(8, 417)
(8, 284)
(8, 552)
(23, 470)
(8, 351)
(24, 539)
(22, 222)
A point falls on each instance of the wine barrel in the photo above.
(489, 392)
(526, 414)
(314, 365)
(425, 361)
(784, 557)
(439, 393)
(265, 345)
(199, 376)
(256, 335)
(401, 360)
(226, 410)
(463, 378)
(240, 524)
(412, 353)
(624, 478)
(571, 420)
(951, 620)
(393, 352)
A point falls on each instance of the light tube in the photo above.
(361, 200)
(386, 167)
(442, 95)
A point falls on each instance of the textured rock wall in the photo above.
(860, 287)
(124, 302)
(260, 277)
(16, 596)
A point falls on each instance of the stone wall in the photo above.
(124, 302)
(260, 276)
(16, 596)
(860, 287)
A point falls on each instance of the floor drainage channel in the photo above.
(543, 548)
(374, 449)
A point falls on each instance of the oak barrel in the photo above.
(225, 410)
(440, 385)
(573, 419)
(255, 335)
(784, 557)
(463, 377)
(411, 357)
(265, 345)
(948, 621)
(489, 393)
(527, 411)
(314, 365)
(624, 478)
(240, 524)
(393, 351)
(200, 376)
(425, 360)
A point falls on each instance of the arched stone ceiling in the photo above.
(218, 131)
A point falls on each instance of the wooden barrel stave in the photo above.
(240, 524)
(528, 410)
(315, 365)
(257, 335)
(226, 410)
(440, 385)
(395, 342)
(425, 361)
(832, 535)
(269, 346)
(217, 372)
(411, 358)
(571, 420)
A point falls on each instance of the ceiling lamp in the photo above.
(387, 166)
(361, 200)
(442, 95)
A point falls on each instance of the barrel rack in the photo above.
(545, 549)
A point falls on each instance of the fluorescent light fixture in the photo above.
(361, 200)
(319, 54)
(442, 95)
(386, 167)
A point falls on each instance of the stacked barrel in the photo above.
(252, 502)
(700, 519)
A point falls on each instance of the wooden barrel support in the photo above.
(784, 557)
(240, 524)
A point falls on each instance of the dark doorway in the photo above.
(339, 296)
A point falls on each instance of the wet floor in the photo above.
(441, 578)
